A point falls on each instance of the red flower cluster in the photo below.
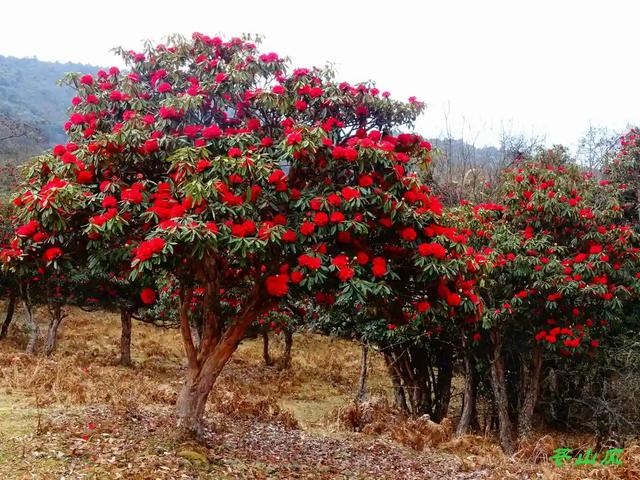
(148, 296)
(277, 285)
(51, 254)
(148, 249)
(432, 250)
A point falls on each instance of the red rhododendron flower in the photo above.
(307, 228)
(362, 258)
(148, 296)
(86, 80)
(234, 152)
(321, 219)
(408, 234)
(289, 236)
(595, 249)
(149, 248)
(212, 131)
(423, 306)
(276, 176)
(432, 250)
(202, 165)
(51, 254)
(84, 177)
(345, 273)
(365, 181)
(164, 87)
(313, 263)
(378, 266)
(349, 193)
(28, 229)
(131, 195)
(109, 202)
(277, 285)
(453, 299)
(337, 217)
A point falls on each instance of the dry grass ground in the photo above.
(79, 415)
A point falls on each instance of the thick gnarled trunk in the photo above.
(195, 391)
(218, 342)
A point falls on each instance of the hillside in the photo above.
(29, 94)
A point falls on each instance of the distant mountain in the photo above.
(30, 96)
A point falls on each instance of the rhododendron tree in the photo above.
(623, 168)
(281, 320)
(429, 304)
(562, 267)
(217, 164)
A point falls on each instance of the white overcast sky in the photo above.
(539, 67)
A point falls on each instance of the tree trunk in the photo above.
(362, 379)
(195, 391)
(196, 330)
(32, 326)
(11, 307)
(443, 383)
(265, 349)
(285, 362)
(219, 341)
(499, 388)
(125, 337)
(470, 391)
(398, 391)
(530, 395)
(52, 333)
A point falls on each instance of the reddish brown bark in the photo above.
(219, 342)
